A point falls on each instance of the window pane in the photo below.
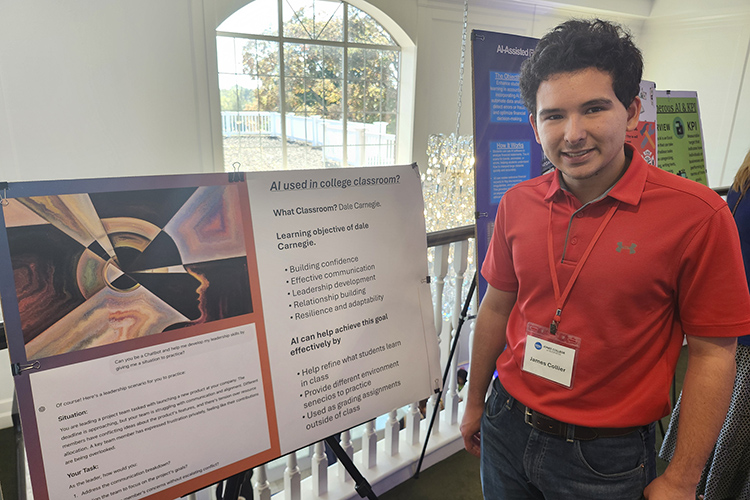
(237, 92)
(324, 62)
(314, 19)
(295, 95)
(314, 83)
(313, 61)
(253, 153)
(391, 94)
(267, 95)
(259, 17)
(226, 56)
(356, 64)
(294, 59)
(312, 142)
(365, 29)
(250, 87)
(261, 58)
(369, 143)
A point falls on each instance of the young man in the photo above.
(596, 273)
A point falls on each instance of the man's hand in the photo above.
(470, 429)
(663, 488)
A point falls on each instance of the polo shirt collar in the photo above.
(627, 190)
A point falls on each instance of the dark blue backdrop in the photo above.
(504, 145)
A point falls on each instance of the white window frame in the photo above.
(407, 77)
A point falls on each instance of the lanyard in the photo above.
(560, 299)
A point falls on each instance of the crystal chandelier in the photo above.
(448, 180)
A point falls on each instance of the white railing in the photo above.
(367, 143)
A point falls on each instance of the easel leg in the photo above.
(361, 485)
(229, 489)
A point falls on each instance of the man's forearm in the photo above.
(706, 393)
(485, 351)
(489, 342)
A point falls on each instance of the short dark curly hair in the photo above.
(579, 44)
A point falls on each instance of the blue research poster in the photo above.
(504, 144)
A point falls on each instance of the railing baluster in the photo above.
(412, 425)
(391, 434)
(261, 488)
(432, 403)
(319, 470)
(346, 444)
(460, 263)
(370, 445)
(292, 478)
(440, 269)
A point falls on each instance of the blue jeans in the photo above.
(520, 462)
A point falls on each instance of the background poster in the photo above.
(504, 144)
(680, 136)
(164, 329)
(643, 138)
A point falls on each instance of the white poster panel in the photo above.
(129, 430)
(341, 259)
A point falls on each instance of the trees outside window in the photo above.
(316, 87)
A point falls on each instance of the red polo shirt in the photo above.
(667, 263)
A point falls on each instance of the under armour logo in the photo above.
(621, 247)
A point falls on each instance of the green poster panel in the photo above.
(679, 135)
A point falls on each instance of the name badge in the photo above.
(552, 357)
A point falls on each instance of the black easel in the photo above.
(229, 489)
(361, 485)
(435, 411)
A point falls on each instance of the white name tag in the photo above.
(547, 359)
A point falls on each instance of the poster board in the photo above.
(168, 332)
(680, 135)
(643, 138)
(505, 147)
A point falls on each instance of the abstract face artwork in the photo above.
(93, 269)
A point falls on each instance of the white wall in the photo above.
(91, 88)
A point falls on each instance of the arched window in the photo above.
(307, 84)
